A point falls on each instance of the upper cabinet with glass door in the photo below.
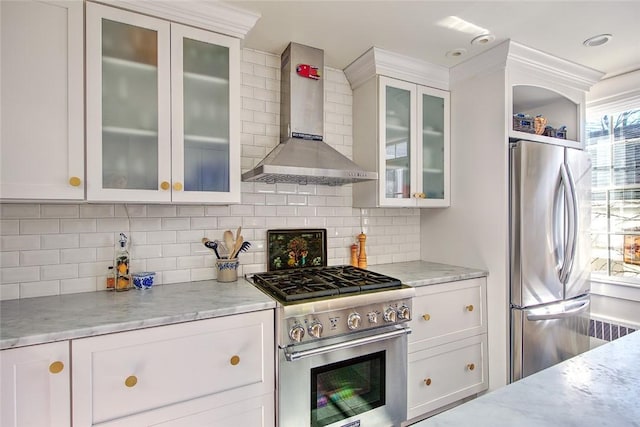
(409, 124)
(162, 111)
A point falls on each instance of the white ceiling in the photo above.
(346, 29)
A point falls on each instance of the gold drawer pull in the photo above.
(235, 360)
(177, 186)
(469, 307)
(56, 367)
(165, 185)
(426, 317)
(427, 381)
(74, 181)
(471, 366)
(131, 381)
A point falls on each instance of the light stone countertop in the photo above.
(41, 320)
(597, 388)
(55, 318)
(422, 273)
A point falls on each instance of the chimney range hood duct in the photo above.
(302, 157)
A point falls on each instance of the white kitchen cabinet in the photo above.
(401, 131)
(42, 102)
(162, 110)
(192, 373)
(448, 358)
(35, 386)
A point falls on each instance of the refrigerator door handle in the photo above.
(545, 314)
(573, 224)
(568, 238)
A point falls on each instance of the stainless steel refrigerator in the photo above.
(550, 255)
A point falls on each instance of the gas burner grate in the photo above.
(315, 282)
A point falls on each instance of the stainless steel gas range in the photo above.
(341, 335)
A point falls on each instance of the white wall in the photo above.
(474, 230)
(51, 249)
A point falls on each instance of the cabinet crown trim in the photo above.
(206, 14)
(377, 61)
(511, 54)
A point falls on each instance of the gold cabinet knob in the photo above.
(131, 381)
(469, 307)
(56, 367)
(427, 381)
(165, 185)
(426, 317)
(74, 181)
(235, 360)
(177, 186)
(420, 195)
(471, 366)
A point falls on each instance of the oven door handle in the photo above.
(297, 355)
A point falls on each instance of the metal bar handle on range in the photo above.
(569, 313)
(297, 355)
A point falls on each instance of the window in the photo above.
(613, 140)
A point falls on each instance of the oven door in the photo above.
(354, 381)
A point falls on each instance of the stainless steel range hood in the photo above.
(302, 156)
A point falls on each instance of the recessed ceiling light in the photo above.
(598, 40)
(456, 53)
(483, 39)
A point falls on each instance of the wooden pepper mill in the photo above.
(362, 256)
(354, 255)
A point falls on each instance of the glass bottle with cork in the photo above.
(123, 278)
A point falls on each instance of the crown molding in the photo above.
(513, 55)
(377, 61)
(210, 15)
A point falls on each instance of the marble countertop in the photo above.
(597, 388)
(47, 319)
(422, 273)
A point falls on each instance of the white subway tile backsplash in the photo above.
(9, 227)
(146, 224)
(59, 211)
(39, 289)
(62, 271)
(72, 286)
(161, 211)
(19, 211)
(96, 211)
(19, 243)
(70, 256)
(59, 241)
(19, 274)
(9, 291)
(29, 258)
(95, 240)
(69, 246)
(39, 226)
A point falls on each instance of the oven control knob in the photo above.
(353, 321)
(404, 313)
(315, 329)
(296, 332)
(389, 315)
(373, 317)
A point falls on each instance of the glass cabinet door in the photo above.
(397, 128)
(205, 87)
(128, 118)
(433, 165)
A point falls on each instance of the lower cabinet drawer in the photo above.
(122, 374)
(447, 373)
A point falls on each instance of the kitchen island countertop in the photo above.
(422, 273)
(597, 388)
(55, 318)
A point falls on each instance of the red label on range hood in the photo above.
(308, 71)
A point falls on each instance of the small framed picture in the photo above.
(631, 249)
(287, 249)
